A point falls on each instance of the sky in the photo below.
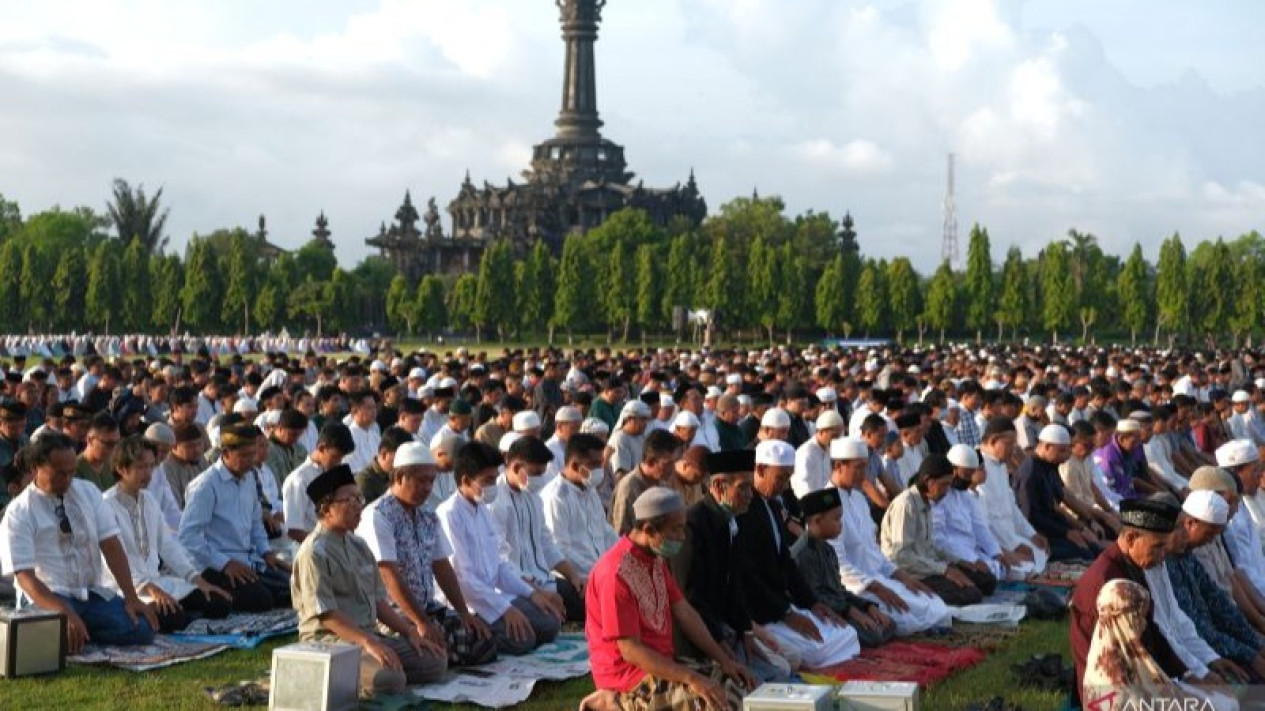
(1129, 119)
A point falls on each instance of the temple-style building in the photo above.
(576, 180)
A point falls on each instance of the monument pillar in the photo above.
(578, 117)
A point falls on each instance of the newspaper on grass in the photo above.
(510, 680)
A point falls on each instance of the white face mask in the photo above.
(536, 484)
(595, 477)
(488, 495)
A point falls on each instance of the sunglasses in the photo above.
(62, 521)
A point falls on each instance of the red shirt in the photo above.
(630, 595)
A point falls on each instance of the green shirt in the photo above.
(102, 476)
(373, 482)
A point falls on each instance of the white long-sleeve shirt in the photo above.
(1244, 544)
(577, 521)
(812, 468)
(1009, 526)
(861, 561)
(154, 555)
(160, 489)
(1159, 457)
(297, 508)
(488, 582)
(1175, 625)
(520, 520)
(959, 528)
(367, 441)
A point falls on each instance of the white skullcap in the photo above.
(1055, 434)
(733, 379)
(1127, 425)
(635, 408)
(593, 426)
(161, 433)
(397, 362)
(446, 383)
(378, 365)
(846, 448)
(1240, 396)
(268, 419)
(665, 400)
(775, 418)
(417, 374)
(744, 400)
(1236, 453)
(1260, 383)
(686, 419)
(246, 404)
(568, 413)
(961, 455)
(426, 391)
(446, 442)
(914, 370)
(827, 395)
(412, 454)
(830, 419)
(507, 440)
(525, 420)
(775, 453)
(1207, 506)
(713, 392)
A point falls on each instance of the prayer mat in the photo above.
(509, 680)
(241, 629)
(924, 664)
(1060, 575)
(965, 635)
(163, 652)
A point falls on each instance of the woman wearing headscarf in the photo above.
(1119, 669)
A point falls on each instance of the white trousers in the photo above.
(925, 611)
(838, 643)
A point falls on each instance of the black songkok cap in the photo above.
(733, 461)
(329, 482)
(997, 426)
(820, 501)
(1149, 515)
(908, 419)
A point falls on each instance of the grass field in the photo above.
(181, 687)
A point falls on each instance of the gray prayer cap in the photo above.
(657, 501)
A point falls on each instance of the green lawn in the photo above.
(180, 687)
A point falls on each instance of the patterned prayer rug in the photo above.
(164, 652)
(241, 630)
(922, 663)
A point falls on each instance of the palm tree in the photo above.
(137, 216)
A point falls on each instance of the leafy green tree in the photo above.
(871, 299)
(792, 301)
(539, 284)
(432, 315)
(1134, 292)
(313, 260)
(461, 308)
(137, 298)
(941, 297)
(902, 296)
(10, 218)
(1012, 307)
(239, 281)
(401, 307)
(573, 301)
(1247, 297)
(631, 227)
(137, 216)
(68, 290)
(763, 283)
(1058, 296)
(102, 300)
(981, 291)
(1172, 293)
(167, 278)
(679, 286)
(494, 300)
(203, 287)
(618, 295)
(311, 300)
(35, 287)
(267, 310)
(649, 288)
(828, 299)
(720, 283)
(11, 286)
(346, 299)
(1216, 302)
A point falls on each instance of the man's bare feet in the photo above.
(599, 701)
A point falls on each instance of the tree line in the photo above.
(763, 275)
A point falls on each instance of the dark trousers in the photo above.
(270, 590)
(194, 606)
(1062, 549)
(952, 594)
(572, 599)
(107, 621)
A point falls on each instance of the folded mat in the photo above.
(510, 680)
(163, 652)
(922, 663)
(244, 630)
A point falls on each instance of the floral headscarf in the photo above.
(1119, 666)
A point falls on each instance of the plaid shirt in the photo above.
(968, 431)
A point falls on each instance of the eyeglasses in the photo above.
(357, 499)
(62, 521)
(108, 443)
